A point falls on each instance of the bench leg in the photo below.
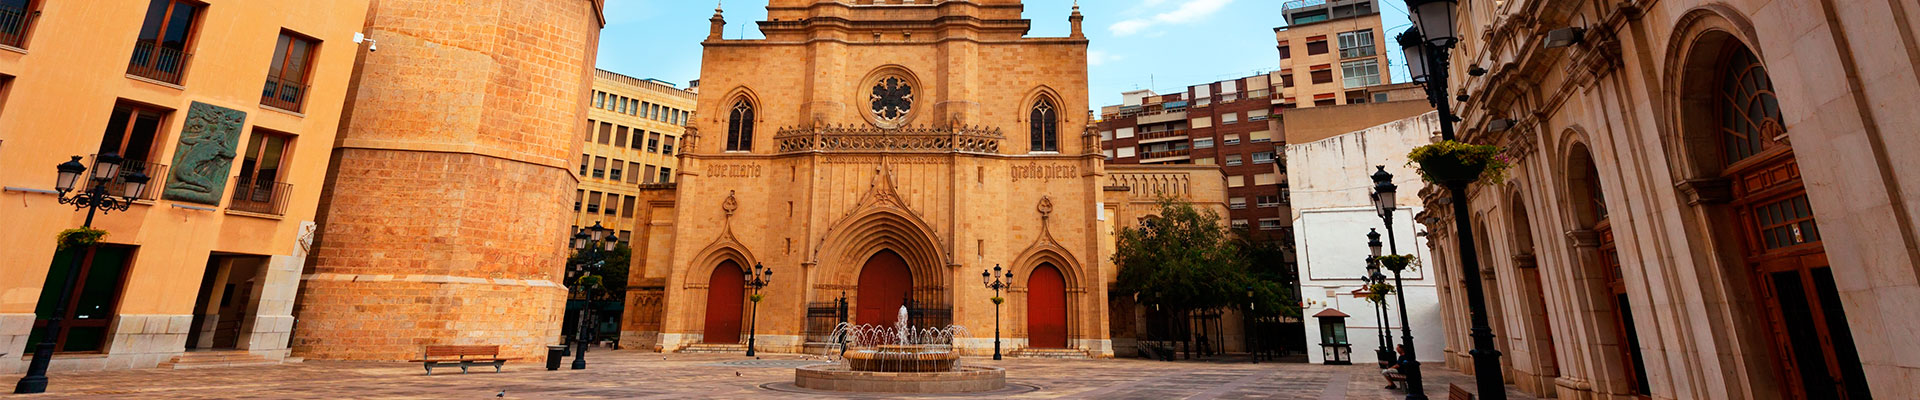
(497, 364)
(464, 365)
(429, 368)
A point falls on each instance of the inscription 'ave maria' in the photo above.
(735, 171)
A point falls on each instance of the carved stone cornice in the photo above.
(1584, 238)
(844, 138)
(1525, 261)
(1706, 190)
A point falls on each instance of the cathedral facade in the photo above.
(884, 156)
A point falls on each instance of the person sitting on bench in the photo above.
(1392, 371)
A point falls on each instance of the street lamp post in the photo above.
(757, 279)
(1384, 202)
(96, 199)
(591, 240)
(1373, 276)
(994, 280)
(1427, 61)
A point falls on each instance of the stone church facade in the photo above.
(887, 155)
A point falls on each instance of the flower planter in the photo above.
(1449, 168)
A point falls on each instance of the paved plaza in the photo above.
(645, 375)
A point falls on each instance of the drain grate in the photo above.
(767, 363)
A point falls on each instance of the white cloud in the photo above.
(1096, 58)
(1190, 11)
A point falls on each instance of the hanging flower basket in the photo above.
(1377, 292)
(1397, 262)
(1452, 161)
(997, 300)
(82, 237)
(588, 281)
(756, 298)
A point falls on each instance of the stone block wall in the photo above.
(444, 220)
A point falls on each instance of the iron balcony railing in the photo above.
(13, 25)
(156, 175)
(154, 61)
(284, 94)
(260, 197)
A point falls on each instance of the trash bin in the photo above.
(555, 353)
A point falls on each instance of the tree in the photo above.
(1183, 258)
(612, 282)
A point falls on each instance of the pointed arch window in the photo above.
(1045, 126)
(740, 126)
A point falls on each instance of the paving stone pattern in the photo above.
(645, 375)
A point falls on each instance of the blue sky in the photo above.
(1163, 45)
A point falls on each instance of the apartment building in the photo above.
(636, 125)
(1228, 123)
(230, 107)
(1330, 52)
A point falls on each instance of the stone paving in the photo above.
(644, 375)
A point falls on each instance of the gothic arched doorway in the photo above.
(1778, 235)
(1047, 308)
(725, 290)
(883, 287)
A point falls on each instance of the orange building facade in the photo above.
(209, 255)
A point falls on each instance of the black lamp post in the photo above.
(591, 240)
(1384, 202)
(95, 198)
(1373, 276)
(757, 279)
(994, 280)
(1427, 61)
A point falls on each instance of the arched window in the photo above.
(1045, 128)
(740, 126)
(1750, 113)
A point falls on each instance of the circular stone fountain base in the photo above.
(964, 379)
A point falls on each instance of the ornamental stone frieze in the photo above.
(841, 138)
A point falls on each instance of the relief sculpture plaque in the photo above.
(205, 155)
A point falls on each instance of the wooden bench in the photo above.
(464, 356)
(1455, 392)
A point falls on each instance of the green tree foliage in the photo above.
(612, 282)
(1183, 258)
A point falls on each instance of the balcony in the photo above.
(1168, 155)
(261, 197)
(13, 25)
(154, 61)
(283, 94)
(157, 173)
(1162, 136)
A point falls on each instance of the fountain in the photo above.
(898, 359)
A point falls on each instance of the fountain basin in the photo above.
(963, 379)
(903, 358)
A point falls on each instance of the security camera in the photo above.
(372, 45)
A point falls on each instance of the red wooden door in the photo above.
(725, 291)
(1047, 308)
(884, 283)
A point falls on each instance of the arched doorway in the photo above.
(1541, 344)
(884, 284)
(1590, 207)
(1047, 308)
(725, 290)
(1778, 236)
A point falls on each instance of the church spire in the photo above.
(719, 23)
(1075, 20)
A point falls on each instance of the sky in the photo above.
(1163, 45)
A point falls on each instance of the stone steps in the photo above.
(216, 359)
(1050, 353)
(713, 348)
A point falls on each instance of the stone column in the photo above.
(444, 217)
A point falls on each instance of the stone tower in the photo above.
(444, 217)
